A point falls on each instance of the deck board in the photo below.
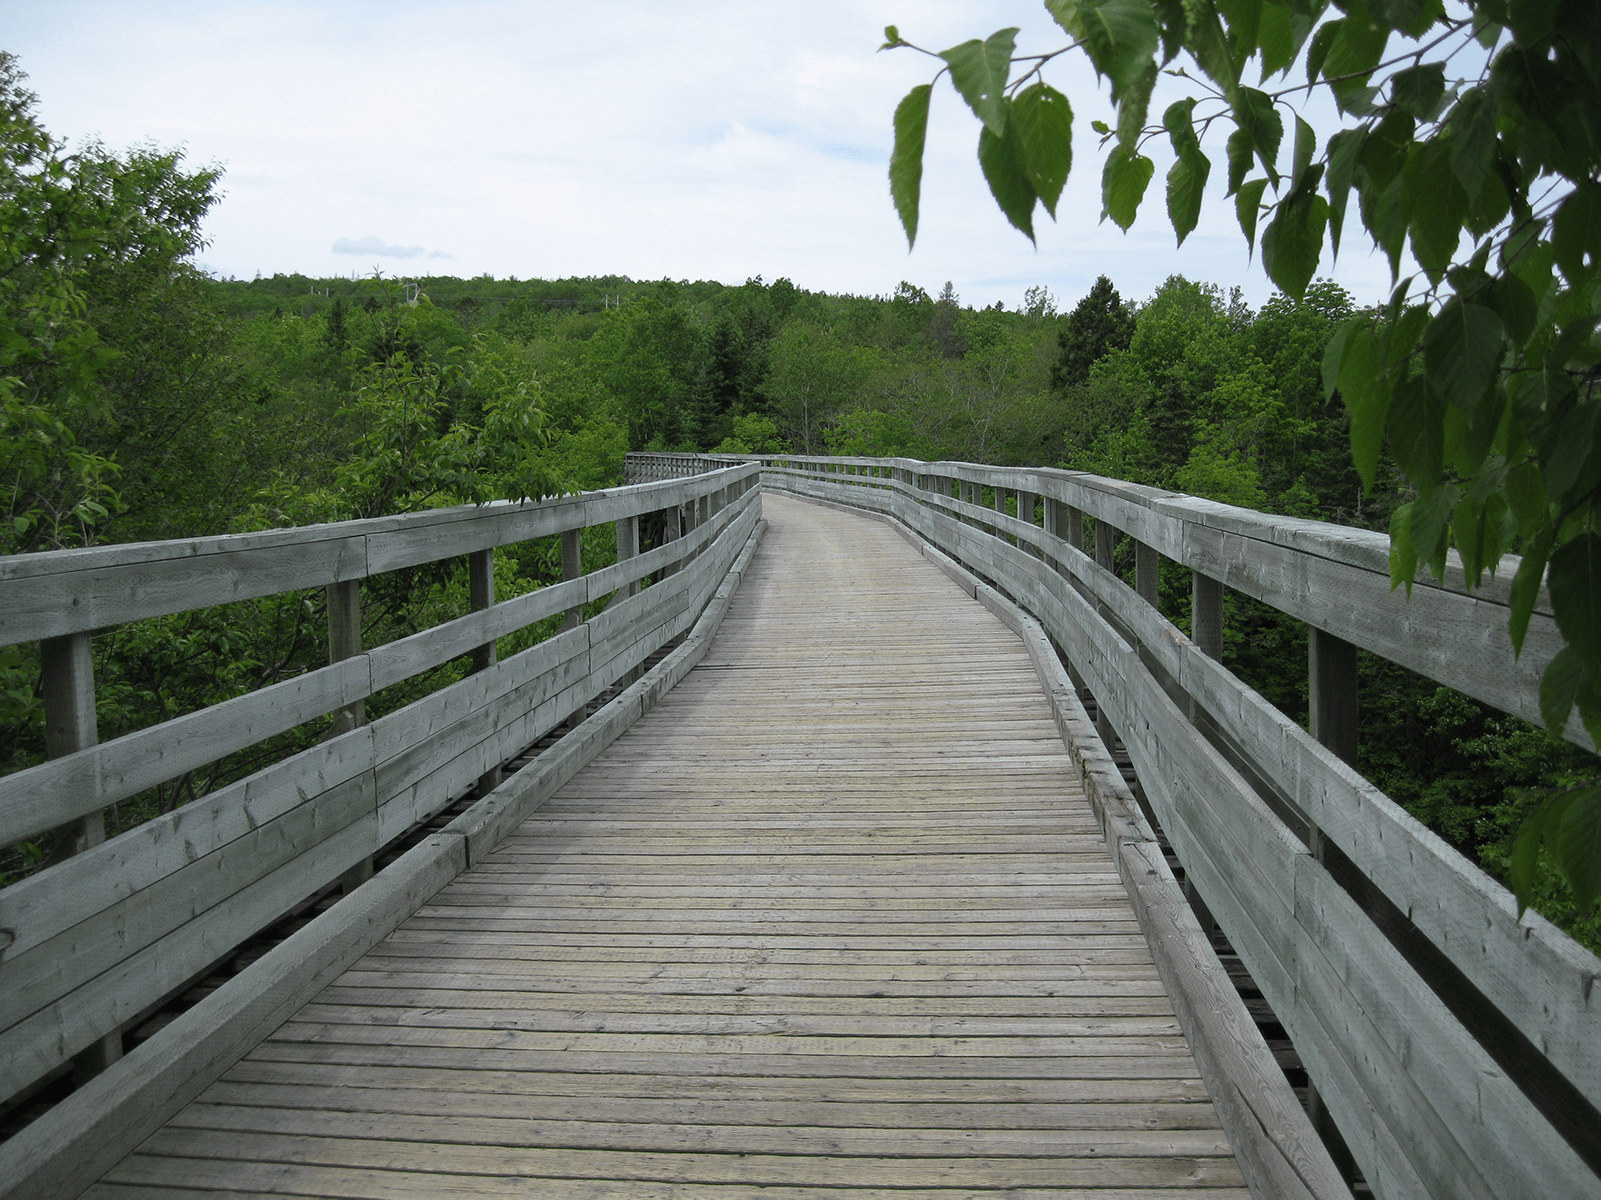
(834, 918)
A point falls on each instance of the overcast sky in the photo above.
(698, 140)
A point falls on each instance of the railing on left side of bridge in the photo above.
(93, 944)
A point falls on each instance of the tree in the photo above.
(1098, 324)
(1473, 136)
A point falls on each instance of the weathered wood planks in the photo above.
(1429, 1103)
(804, 927)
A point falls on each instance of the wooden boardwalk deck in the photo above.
(832, 919)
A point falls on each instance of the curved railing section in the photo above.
(1455, 1046)
(90, 944)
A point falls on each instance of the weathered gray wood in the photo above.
(1147, 568)
(66, 670)
(76, 1142)
(1206, 615)
(572, 567)
(481, 592)
(66, 677)
(1332, 693)
(1392, 856)
(71, 591)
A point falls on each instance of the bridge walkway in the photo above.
(833, 918)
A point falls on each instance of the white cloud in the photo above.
(371, 247)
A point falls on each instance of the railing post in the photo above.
(66, 669)
(572, 567)
(1333, 695)
(1105, 543)
(481, 595)
(628, 547)
(1025, 514)
(344, 641)
(1075, 527)
(1147, 571)
(1206, 615)
(1331, 664)
(670, 533)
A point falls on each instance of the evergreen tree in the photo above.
(1098, 325)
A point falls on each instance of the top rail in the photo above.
(60, 592)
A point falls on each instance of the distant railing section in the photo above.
(648, 468)
(88, 945)
(1457, 1048)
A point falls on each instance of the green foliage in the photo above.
(1471, 136)
(1099, 324)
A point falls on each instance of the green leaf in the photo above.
(892, 38)
(1525, 492)
(1342, 152)
(1576, 234)
(1403, 557)
(1123, 184)
(1462, 352)
(1134, 105)
(1431, 525)
(1257, 115)
(1333, 354)
(1523, 870)
(1570, 450)
(1209, 45)
(1526, 585)
(1247, 207)
(980, 70)
(1179, 122)
(1365, 390)
(1120, 36)
(1043, 120)
(1240, 150)
(1417, 432)
(1559, 689)
(906, 160)
(1186, 181)
(1305, 148)
(1275, 33)
(1358, 47)
(1515, 304)
(1472, 126)
(1418, 90)
(1293, 242)
(1318, 52)
(1100, 127)
(1002, 161)
(1575, 587)
(1384, 150)
(1574, 840)
(1385, 212)
(1438, 206)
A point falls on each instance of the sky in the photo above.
(544, 139)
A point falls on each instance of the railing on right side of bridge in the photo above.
(1457, 1048)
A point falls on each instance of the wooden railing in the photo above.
(1457, 1048)
(89, 944)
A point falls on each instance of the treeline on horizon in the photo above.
(145, 400)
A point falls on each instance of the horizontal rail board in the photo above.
(71, 591)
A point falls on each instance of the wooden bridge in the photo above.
(809, 866)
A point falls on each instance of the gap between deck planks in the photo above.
(834, 918)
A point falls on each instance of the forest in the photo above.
(143, 399)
